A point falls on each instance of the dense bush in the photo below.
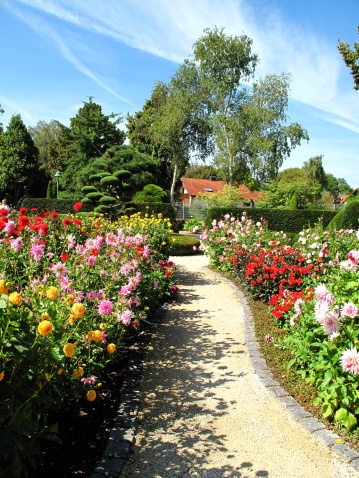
(62, 206)
(350, 216)
(184, 245)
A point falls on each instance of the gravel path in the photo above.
(204, 411)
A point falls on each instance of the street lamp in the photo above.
(57, 177)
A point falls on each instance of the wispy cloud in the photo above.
(43, 28)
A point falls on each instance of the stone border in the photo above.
(302, 416)
(123, 427)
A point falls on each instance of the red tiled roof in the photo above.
(194, 186)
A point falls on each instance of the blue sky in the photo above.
(57, 53)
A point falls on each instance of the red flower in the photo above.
(77, 206)
(77, 222)
(22, 210)
(67, 221)
(54, 215)
(33, 209)
(64, 257)
(23, 221)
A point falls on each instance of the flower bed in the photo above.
(71, 289)
(312, 291)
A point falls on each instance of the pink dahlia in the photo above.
(349, 310)
(105, 307)
(350, 361)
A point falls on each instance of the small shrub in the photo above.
(183, 245)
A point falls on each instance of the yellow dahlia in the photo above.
(111, 348)
(69, 349)
(91, 395)
(44, 327)
(45, 316)
(15, 298)
(77, 310)
(97, 335)
(52, 293)
(78, 372)
(3, 287)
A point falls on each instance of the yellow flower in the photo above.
(91, 395)
(77, 310)
(15, 298)
(68, 349)
(2, 374)
(72, 319)
(90, 336)
(103, 326)
(78, 372)
(3, 287)
(111, 348)
(97, 335)
(44, 327)
(52, 293)
(70, 298)
(45, 316)
(99, 385)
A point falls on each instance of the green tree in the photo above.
(19, 163)
(315, 171)
(152, 194)
(351, 59)
(201, 171)
(90, 134)
(46, 138)
(228, 196)
(1, 126)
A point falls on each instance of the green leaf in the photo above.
(328, 410)
(341, 415)
(21, 348)
(351, 285)
(2, 304)
(350, 421)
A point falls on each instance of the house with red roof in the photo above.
(191, 187)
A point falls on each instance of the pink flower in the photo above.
(125, 269)
(349, 310)
(105, 307)
(354, 256)
(320, 310)
(330, 323)
(348, 265)
(125, 317)
(350, 361)
(89, 380)
(91, 295)
(16, 244)
(269, 339)
(323, 294)
(59, 269)
(155, 284)
(37, 251)
(10, 226)
(91, 260)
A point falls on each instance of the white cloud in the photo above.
(168, 29)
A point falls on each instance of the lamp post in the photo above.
(57, 177)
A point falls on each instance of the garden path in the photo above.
(204, 410)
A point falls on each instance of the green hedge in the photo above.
(62, 206)
(277, 219)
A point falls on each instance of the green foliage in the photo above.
(19, 163)
(182, 245)
(151, 194)
(49, 194)
(336, 223)
(108, 200)
(350, 216)
(62, 206)
(293, 204)
(192, 223)
(351, 59)
(88, 189)
(109, 181)
(277, 219)
(201, 171)
(229, 196)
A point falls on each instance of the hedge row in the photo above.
(277, 219)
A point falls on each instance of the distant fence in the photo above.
(185, 212)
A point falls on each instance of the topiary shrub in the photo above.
(336, 223)
(350, 216)
(183, 245)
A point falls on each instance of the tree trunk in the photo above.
(230, 158)
(174, 179)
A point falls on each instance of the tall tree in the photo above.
(351, 59)
(45, 136)
(315, 171)
(90, 134)
(19, 162)
(1, 113)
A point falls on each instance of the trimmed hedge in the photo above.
(277, 219)
(183, 245)
(62, 206)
